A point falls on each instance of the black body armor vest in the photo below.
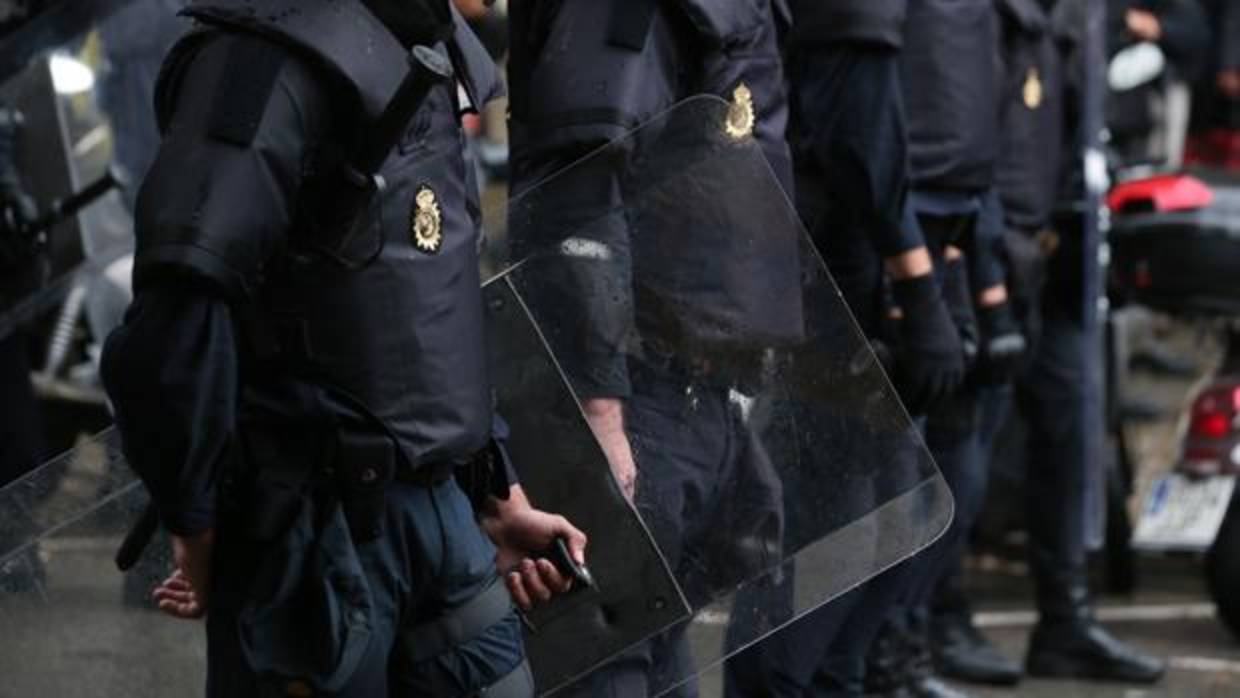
(1031, 113)
(386, 329)
(951, 88)
(583, 74)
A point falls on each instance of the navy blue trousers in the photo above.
(431, 558)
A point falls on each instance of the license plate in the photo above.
(1184, 514)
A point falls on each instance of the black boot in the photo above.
(1068, 641)
(922, 682)
(1083, 649)
(961, 652)
(931, 686)
(888, 663)
(899, 665)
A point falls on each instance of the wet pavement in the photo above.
(1171, 616)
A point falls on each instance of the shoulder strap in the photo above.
(630, 23)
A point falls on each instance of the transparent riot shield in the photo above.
(669, 275)
(634, 594)
(73, 625)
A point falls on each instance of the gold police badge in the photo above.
(740, 120)
(1033, 92)
(427, 221)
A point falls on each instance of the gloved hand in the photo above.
(930, 359)
(1003, 347)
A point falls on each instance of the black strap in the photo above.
(243, 92)
(519, 683)
(457, 626)
(630, 23)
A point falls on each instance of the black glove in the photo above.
(1003, 347)
(930, 360)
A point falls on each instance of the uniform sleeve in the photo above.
(574, 229)
(171, 373)
(211, 212)
(983, 246)
(860, 144)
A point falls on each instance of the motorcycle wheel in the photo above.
(1223, 568)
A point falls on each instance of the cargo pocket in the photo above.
(310, 614)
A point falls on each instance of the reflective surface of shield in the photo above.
(563, 470)
(776, 467)
(73, 624)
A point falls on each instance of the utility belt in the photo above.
(719, 368)
(287, 467)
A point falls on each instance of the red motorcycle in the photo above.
(1176, 248)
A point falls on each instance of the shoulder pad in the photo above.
(168, 84)
(342, 34)
(241, 94)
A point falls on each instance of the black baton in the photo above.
(360, 175)
(137, 539)
(63, 208)
(427, 68)
(564, 562)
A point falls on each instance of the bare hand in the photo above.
(520, 532)
(472, 9)
(1229, 83)
(606, 417)
(1143, 24)
(186, 593)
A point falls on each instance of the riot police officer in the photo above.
(1035, 44)
(850, 145)
(22, 266)
(1026, 173)
(1054, 393)
(662, 389)
(949, 78)
(301, 374)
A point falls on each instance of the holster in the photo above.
(288, 467)
(363, 470)
(280, 466)
(484, 476)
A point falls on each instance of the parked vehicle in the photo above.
(1176, 248)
